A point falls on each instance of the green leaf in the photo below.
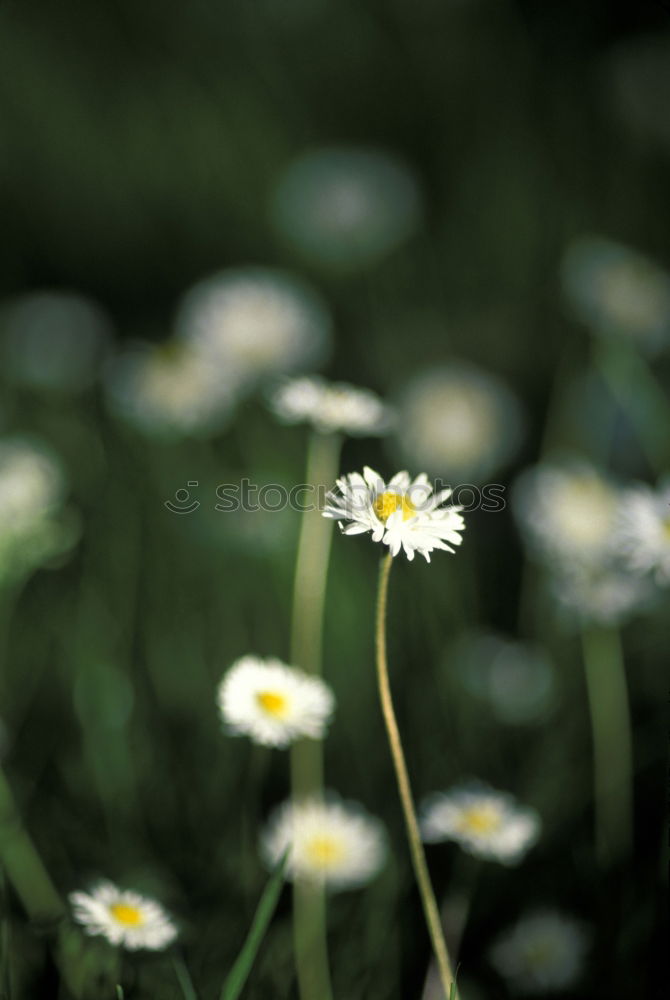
(239, 973)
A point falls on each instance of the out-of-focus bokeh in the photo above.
(461, 205)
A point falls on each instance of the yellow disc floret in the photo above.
(324, 851)
(480, 820)
(272, 703)
(125, 914)
(388, 503)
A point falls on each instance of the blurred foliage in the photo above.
(139, 148)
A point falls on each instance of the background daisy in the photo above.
(345, 207)
(331, 407)
(483, 821)
(272, 703)
(643, 530)
(334, 843)
(169, 390)
(543, 953)
(458, 422)
(124, 917)
(256, 322)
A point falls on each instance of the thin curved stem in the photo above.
(419, 863)
(612, 742)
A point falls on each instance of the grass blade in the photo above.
(239, 973)
(184, 978)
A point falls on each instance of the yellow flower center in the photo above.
(388, 503)
(272, 703)
(125, 914)
(541, 954)
(666, 529)
(324, 851)
(480, 820)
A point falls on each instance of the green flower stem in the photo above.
(309, 591)
(309, 595)
(612, 742)
(636, 389)
(23, 865)
(310, 941)
(419, 863)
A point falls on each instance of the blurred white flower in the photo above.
(543, 953)
(331, 407)
(53, 340)
(332, 843)
(608, 594)
(402, 513)
(484, 822)
(254, 323)
(459, 422)
(272, 703)
(346, 208)
(169, 390)
(644, 530)
(123, 917)
(515, 679)
(32, 487)
(618, 292)
(567, 512)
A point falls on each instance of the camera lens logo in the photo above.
(183, 503)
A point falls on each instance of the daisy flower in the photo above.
(644, 530)
(567, 512)
(608, 594)
(459, 421)
(256, 322)
(54, 340)
(346, 208)
(33, 525)
(402, 513)
(169, 390)
(618, 292)
(543, 953)
(272, 703)
(332, 843)
(516, 680)
(331, 407)
(123, 917)
(485, 822)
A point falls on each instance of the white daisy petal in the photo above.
(567, 512)
(643, 531)
(123, 917)
(170, 390)
(485, 822)
(403, 514)
(331, 407)
(33, 522)
(257, 322)
(459, 422)
(332, 843)
(272, 703)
